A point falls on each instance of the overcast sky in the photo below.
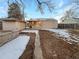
(31, 9)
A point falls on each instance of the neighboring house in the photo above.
(42, 23)
(69, 23)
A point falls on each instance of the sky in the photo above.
(32, 12)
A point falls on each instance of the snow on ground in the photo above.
(32, 31)
(14, 48)
(61, 32)
(64, 33)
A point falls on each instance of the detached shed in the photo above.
(43, 23)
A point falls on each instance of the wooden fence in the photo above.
(0, 25)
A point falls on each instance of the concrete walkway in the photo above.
(38, 50)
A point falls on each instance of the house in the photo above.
(42, 23)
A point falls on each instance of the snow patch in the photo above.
(61, 32)
(32, 31)
(64, 33)
(14, 48)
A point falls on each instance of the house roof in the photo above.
(42, 19)
(70, 21)
(76, 18)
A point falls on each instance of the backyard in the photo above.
(45, 44)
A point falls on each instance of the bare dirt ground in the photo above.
(74, 34)
(29, 51)
(53, 47)
(57, 48)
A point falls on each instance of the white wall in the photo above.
(47, 24)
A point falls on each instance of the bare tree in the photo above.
(76, 1)
(19, 8)
(48, 3)
(70, 14)
(40, 5)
